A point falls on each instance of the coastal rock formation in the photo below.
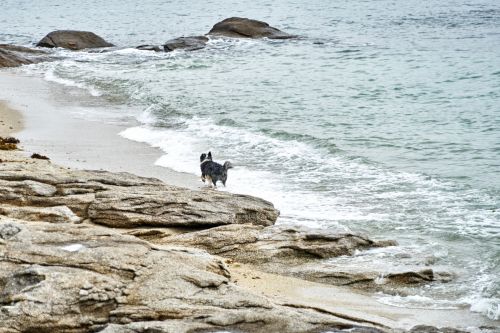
(85, 278)
(73, 40)
(13, 55)
(95, 251)
(399, 280)
(186, 43)
(298, 252)
(235, 27)
(258, 245)
(123, 200)
(239, 27)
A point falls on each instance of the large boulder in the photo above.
(239, 27)
(13, 55)
(73, 40)
(186, 43)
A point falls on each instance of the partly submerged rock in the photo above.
(186, 43)
(13, 55)
(156, 48)
(247, 28)
(73, 40)
(395, 280)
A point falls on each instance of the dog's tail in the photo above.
(227, 165)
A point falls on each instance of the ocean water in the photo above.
(383, 118)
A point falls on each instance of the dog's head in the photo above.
(206, 157)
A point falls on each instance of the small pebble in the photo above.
(87, 286)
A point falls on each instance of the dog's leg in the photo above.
(208, 181)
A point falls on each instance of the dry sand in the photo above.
(11, 120)
(45, 126)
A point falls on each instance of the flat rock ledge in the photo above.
(92, 251)
(39, 190)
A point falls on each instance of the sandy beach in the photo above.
(11, 121)
(45, 128)
(37, 113)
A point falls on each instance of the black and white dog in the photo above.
(212, 171)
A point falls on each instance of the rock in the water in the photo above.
(400, 279)
(73, 40)
(13, 55)
(186, 43)
(432, 329)
(246, 28)
(156, 48)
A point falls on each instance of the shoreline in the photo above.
(51, 126)
(346, 305)
(84, 144)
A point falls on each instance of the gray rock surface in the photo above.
(13, 55)
(73, 40)
(238, 27)
(80, 278)
(186, 43)
(120, 199)
(277, 244)
(299, 252)
(156, 48)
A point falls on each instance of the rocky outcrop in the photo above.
(84, 278)
(94, 251)
(13, 55)
(122, 200)
(239, 27)
(278, 244)
(390, 281)
(186, 43)
(73, 40)
(235, 27)
(299, 252)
